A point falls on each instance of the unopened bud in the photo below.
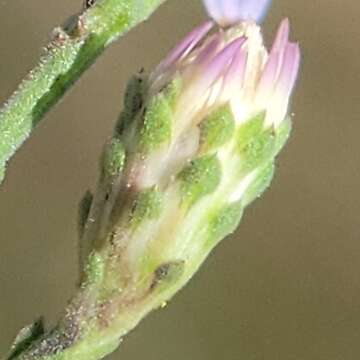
(200, 139)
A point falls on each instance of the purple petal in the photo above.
(278, 106)
(220, 63)
(282, 36)
(185, 46)
(274, 62)
(203, 57)
(268, 77)
(228, 12)
(235, 75)
(210, 49)
(289, 70)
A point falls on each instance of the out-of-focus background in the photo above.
(286, 285)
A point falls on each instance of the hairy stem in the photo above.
(71, 51)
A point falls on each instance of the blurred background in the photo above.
(286, 285)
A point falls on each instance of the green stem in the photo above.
(72, 50)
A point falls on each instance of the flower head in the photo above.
(195, 145)
(200, 136)
(232, 66)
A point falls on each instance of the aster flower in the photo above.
(195, 145)
(198, 139)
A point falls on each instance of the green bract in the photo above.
(255, 143)
(201, 177)
(147, 206)
(185, 160)
(217, 128)
(157, 125)
(114, 158)
(225, 221)
(95, 268)
(261, 182)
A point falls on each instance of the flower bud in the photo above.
(200, 145)
(196, 145)
(207, 92)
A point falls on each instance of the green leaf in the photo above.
(70, 52)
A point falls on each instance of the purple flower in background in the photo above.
(228, 12)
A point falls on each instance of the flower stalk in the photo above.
(73, 48)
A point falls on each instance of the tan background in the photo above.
(286, 286)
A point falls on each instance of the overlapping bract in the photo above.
(196, 144)
(234, 66)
